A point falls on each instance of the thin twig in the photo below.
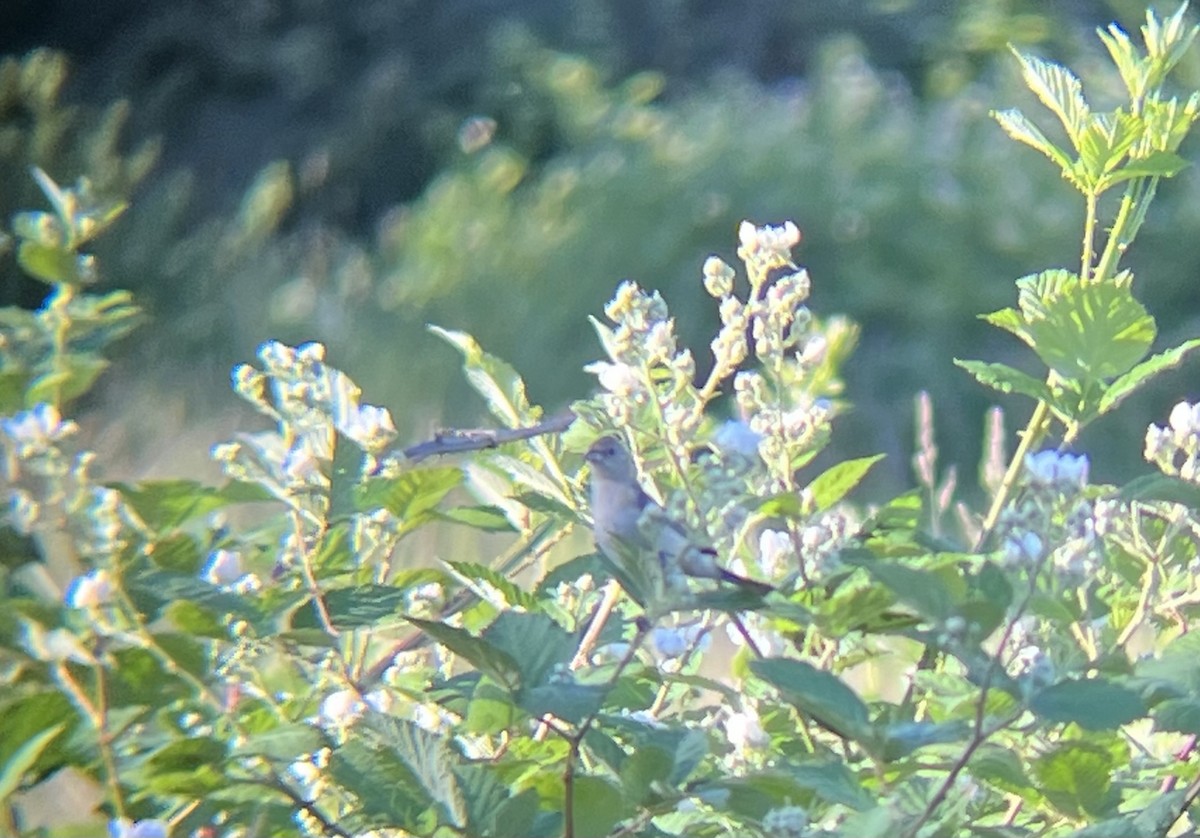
(456, 441)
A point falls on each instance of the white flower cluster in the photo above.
(49, 488)
(1052, 518)
(1175, 449)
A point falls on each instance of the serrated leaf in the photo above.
(484, 656)
(921, 589)
(362, 605)
(388, 793)
(1017, 126)
(1006, 379)
(484, 518)
(1143, 372)
(502, 388)
(534, 641)
(430, 759)
(166, 504)
(492, 586)
(1076, 778)
(284, 744)
(1088, 332)
(411, 493)
(819, 694)
(1093, 704)
(1156, 164)
(835, 483)
(1059, 90)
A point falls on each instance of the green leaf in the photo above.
(23, 760)
(166, 504)
(1156, 164)
(430, 759)
(1076, 778)
(491, 661)
(1181, 715)
(534, 641)
(345, 476)
(49, 263)
(491, 585)
(598, 807)
(362, 605)
(1006, 379)
(410, 494)
(30, 715)
(73, 376)
(158, 587)
(285, 743)
(573, 702)
(1092, 331)
(924, 590)
(817, 693)
(388, 792)
(902, 738)
(835, 483)
(189, 754)
(499, 384)
(1143, 372)
(1093, 704)
(834, 781)
(1001, 767)
(485, 518)
(641, 770)
(1059, 90)
(1017, 126)
(1161, 487)
(196, 620)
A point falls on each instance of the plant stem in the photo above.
(1089, 236)
(1034, 431)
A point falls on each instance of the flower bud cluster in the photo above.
(1052, 519)
(49, 488)
(1175, 449)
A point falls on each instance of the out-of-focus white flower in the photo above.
(368, 425)
(91, 590)
(618, 379)
(1022, 549)
(54, 646)
(224, 567)
(35, 430)
(718, 277)
(1185, 419)
(775, 551)
(744, 730)
(124, 828)
(342, 707)
(776, 240)
(737, 437)
(1062, 472)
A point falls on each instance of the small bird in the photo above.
(626, 520)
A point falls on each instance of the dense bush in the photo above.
(288, 653)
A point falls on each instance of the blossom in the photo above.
(124, 828)
(1058, 471)
(90, 590)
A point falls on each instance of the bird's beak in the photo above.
(593, 456)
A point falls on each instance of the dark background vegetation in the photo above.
(302, 170)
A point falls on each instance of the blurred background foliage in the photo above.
(311, 169)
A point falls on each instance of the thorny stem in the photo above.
(575, 740)
(980, 734)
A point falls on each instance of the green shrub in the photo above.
(287, 653)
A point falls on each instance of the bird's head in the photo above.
(610, 460)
